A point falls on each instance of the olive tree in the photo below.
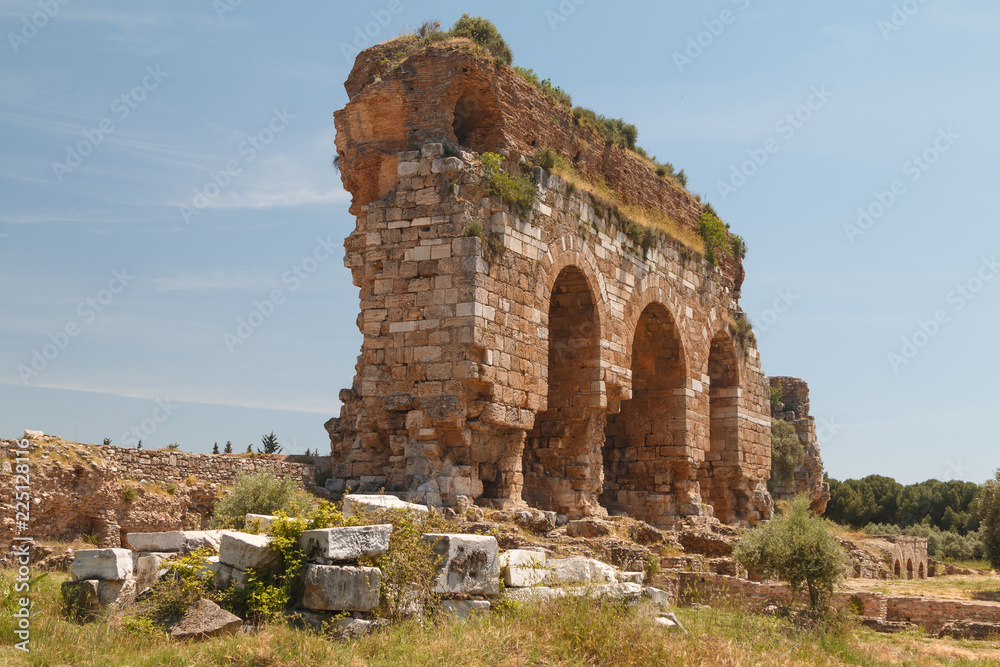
(797, 548)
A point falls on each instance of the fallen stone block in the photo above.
(101, 564)
(657, 596)
(174, 541)
(226, 576)
(330, 545)
(579, 570)
(354, 503)
(630, 593)
(469, 563)
(340, 588)
(149, 570)
(87, 598)
(206, 619)
(465, 608)
(163, 555)
(521, 568)
(244, 551)
(970, 630)
(258, 522)
(32, 435)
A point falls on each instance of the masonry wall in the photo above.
(929, 614)
(80, 490)
(531, 357)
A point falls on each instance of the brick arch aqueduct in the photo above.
(540, 357)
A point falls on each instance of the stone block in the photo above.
(206, 619)
(175, 541)
(469, 563)
(258, 522)
(244, 551)
(227, 575)
(521, 568)
(579, 570)
(465, 608)
(329, 545)
(340, 588)
(148, 570)
(102, 564)
(91, 596)
(373, 503)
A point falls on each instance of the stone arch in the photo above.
(644, 451)
(909, 568)
(896, 570)
(720, 469)
(920, 571)
(561, 463)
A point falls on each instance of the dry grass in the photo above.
(955, 587)
(570, 632)
(647, 217)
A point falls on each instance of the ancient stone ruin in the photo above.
(793, 406)
(560, 356)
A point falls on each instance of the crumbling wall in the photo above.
(793, 407)
(99, 492)
(536, 356)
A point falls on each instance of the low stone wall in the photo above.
(930, 614)
(99, 492)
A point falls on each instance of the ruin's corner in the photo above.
(551, 357)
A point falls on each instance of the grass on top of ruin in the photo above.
(567, 632)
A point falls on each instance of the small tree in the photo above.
(107, 441)
(270, 443)
(250, 448)
(215, 448)
(798, 549)
(485, 34)
(989, 519)
(229, 448)
(139, 446)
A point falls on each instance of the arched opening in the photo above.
(896, 569)
(920, 571)
(646, 436)
(722, 464)
(909, 569)
(562, 453)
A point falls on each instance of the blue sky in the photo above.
(225, 108)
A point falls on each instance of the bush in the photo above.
(260, 493)
(546, 86)
(410, 566)
(485, 34)
(716, 237)
(798, 549)
(614, 130)
(787, 453)
(129, 494)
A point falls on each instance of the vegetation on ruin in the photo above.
(642, 225)
(787, 453)
(719, 241)
(799, 549)
(517, 189)
(260, 493)
(776, 395)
